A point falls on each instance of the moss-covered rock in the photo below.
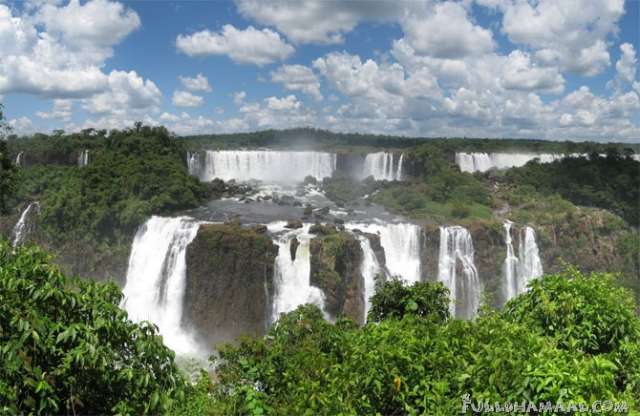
(229, 282)
(335, 268)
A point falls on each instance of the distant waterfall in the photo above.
(292, 277)
(156, 279)
(266, 165)
(83, 158)
(193, 163)
(402, 247)
(20, 160)
(383, 166)
(518, 271)
(482, 162)
(370, 268)
(20, 229)
(456, 269)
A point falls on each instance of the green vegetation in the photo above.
(7, 170)
(611, 182)
(132, 174)
(309, 138)
(441, 192)
(572, 338)
(67, 348)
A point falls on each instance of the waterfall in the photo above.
(20, 160)
(382, 166)
(402, 246)
(369, 268)
(519, 270)
(529, 256)
(20, 229)
(510, 268)
(193, 163)
(83, 158)
(267, 165)
(292, 277)
(156, 279)
(482, 162)
(456, 269)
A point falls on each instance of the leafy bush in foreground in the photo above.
(66, 346)
(412, 364)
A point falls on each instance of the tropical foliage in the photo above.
(67, 348)
(132, 174)
(572, 338)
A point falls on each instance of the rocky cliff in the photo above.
(335, 268)
(229, 282)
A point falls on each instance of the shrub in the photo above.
(66, 346)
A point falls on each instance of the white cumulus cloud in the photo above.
(186, 99)
(248, 46)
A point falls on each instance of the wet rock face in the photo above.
(378, 250)
(335, 268)
(229, 282)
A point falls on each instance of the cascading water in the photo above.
(83, 158)
(402, 246)
(529, 255)
(193, 163)
(382, 166)
(370, 268)
(510, 267)
(482, 162)
(20, 229)
(292, 276)
(20, 159)
(156, 279)
(456, 269)
(519, 271)
(267, 165)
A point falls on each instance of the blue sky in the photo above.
(555, 69)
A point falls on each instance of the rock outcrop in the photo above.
(335, 268)
(229, 282)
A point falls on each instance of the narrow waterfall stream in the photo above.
(370, 268)
(156, 279)
(20, 229)
(456, 269)
(518, 271)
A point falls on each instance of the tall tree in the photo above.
(7, 169)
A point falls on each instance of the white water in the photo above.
(193, 162)
(401, 244)
(456, 255)
(156, 279)
(383, 166)
(370, 268)
(19, 159)
(20, 229)
(482, 162)
(519, 271)
(83, 158)
(266, 165)
(292, 277)
(510, 267)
